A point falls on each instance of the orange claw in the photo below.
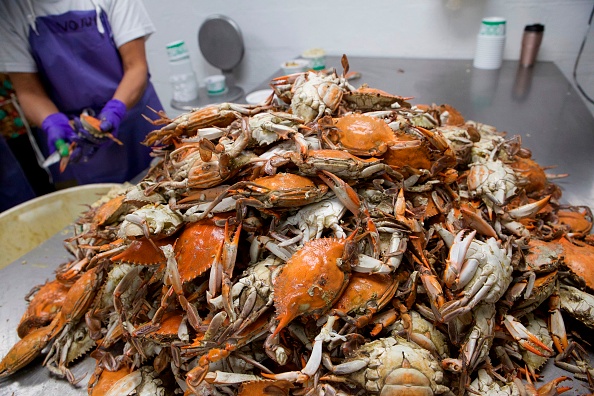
(198, 373)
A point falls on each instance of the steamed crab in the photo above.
(479, 271)
(315, 95)
(391, 366)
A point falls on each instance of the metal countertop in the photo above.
(539, 104)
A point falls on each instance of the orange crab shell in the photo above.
(265, 388)
(197, 247)
(143, 252)
(168, 328)
(361, 134)
(532, 177)
(576, 220)
(43, 308)
(110, 210)
(543, 256)
(411, 153)
(363, 289)
(579, 260)
(290, 190)
(311, 280)
(107, 380)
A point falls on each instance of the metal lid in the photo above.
(221, 42)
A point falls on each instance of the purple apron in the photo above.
(81, 68)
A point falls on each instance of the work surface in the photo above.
(538, 104)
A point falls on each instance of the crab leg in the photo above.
(525, 338)
(172, 274)
(229, 255)
(313, 363)
(345, 193)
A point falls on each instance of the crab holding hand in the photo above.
(111, 116)
(86, 145)
(57, 127)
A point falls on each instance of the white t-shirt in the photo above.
(129, 20)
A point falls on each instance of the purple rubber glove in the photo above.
(56, 126)
(112, 115)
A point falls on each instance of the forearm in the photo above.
(135, 77)
(32, 97)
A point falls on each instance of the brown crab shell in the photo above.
(311, 280)
(369, 99)
(543, 256)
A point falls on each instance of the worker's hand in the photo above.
(57, 127)
(112, 115)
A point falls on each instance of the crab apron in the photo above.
(80, 67)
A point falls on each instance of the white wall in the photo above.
(275, 31)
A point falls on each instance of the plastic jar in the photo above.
(182, 77)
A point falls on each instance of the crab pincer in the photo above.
(525, 338)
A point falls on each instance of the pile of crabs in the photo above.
(328, 241)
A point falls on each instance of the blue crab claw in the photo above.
(525, 338)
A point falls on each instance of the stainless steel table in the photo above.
(538, 104)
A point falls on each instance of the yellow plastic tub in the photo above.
(25, 226)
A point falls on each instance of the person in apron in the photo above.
(81, 69)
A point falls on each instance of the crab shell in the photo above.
(110, 211)
(366, 290)
(43, 308)
(288, 190)
(409, 152)
(106, 380)
(361, 134)
(530, 175)
(168, 328)
(265, 388)
(370, 99)
(579, 259)
(197, 247)
(398, 367)
(143, 252)
(577, 219)
(311, 280)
